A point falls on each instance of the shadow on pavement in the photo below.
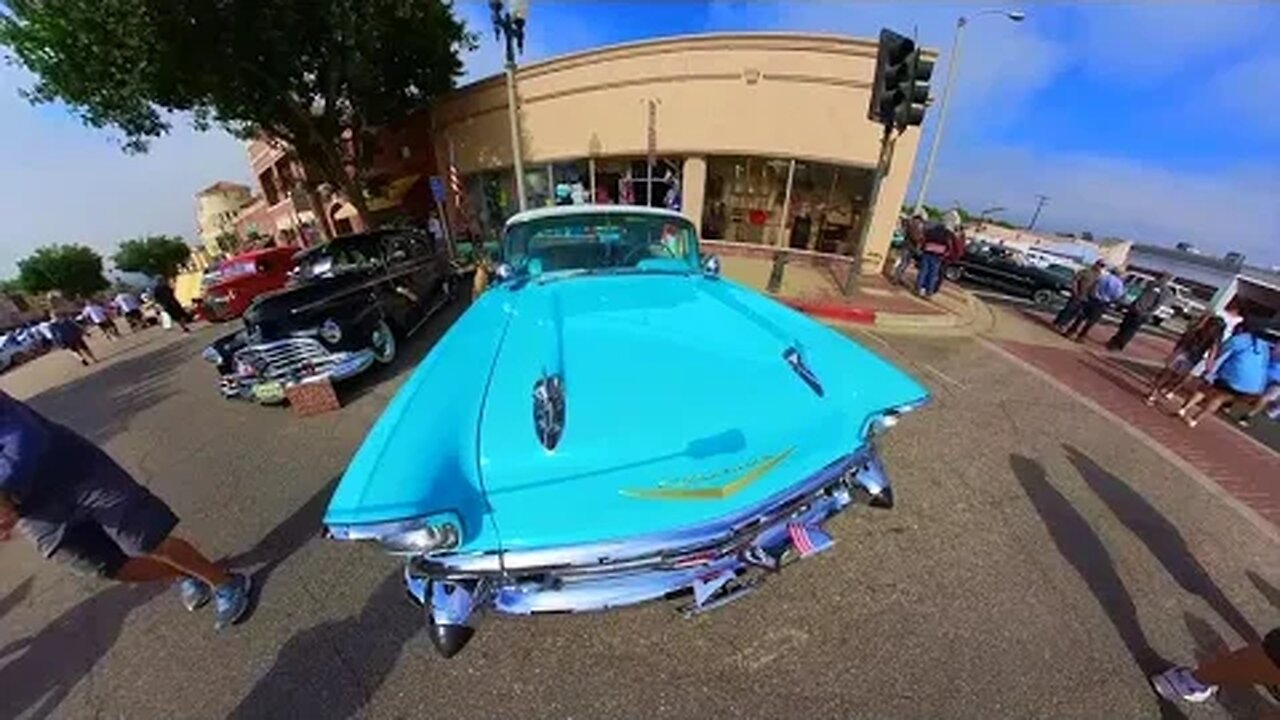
(1161, 538)
(39, 671)
(15, 597)
(1239, 701)
(1269, 591)
(332, 670)
(285, 539)
(1081, 547)
(100, 405)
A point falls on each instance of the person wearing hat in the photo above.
(912, 242)
(1081, 285)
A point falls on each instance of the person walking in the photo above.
(1106, 291)
(96, 314)
(1254, 664)
(1239, 374)
(1081, 285)
(163, 295)
(939, 240)
(68, 335)
(1194, 351)
(1139, 312)
(80, 508)
(912, 243)
(128, 305)
(1270, 398)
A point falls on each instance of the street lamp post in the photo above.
(952, 61)
(509, 26)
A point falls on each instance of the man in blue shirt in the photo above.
(77, 506)
(1106, 291)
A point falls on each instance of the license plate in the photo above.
(269, 392)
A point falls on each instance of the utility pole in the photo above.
(1040, 201)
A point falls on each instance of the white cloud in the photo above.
(1145, 43)
(1232, 210)
(62, 182)
(1245, 94)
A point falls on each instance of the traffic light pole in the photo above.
(952, 62)
(887, 142)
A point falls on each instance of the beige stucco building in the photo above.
(216, 209)
(760, 139)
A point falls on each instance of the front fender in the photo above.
(420, 456)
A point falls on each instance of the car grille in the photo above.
(287, 359)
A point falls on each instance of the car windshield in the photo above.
(602, 242)
(337, 258)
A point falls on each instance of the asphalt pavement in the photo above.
(1039, 562)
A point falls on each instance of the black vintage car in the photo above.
(1003, 269)
(347, 304)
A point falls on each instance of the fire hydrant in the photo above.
(775, 275)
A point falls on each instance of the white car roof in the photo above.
(571, 210)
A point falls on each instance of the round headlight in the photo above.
(330, 332)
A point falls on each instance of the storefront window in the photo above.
(828, 207)
(572, 183)
(745, 201)
(626, 181)
(491, 196)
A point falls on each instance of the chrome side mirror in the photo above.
(503, 272)
(711, 265)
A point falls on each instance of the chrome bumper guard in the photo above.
(289, 362)
(716, 563)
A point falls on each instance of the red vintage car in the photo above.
(241, 278)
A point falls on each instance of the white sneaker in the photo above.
(1177, 683)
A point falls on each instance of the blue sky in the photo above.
(1155, 122)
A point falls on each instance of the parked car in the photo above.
(583, 438)
(18, 346)
(347, 304)
(242, 278)
(1004, 269)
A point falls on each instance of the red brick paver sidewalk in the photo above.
(1247, 470)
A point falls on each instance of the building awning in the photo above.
(393, 194)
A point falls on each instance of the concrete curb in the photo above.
(855, 315)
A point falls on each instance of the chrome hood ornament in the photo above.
(548, 410)
(793, 358)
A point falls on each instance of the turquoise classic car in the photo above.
(612, 422)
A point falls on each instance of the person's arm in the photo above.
(8, 515)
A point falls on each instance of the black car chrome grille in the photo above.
(286, 359)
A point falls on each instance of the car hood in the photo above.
(680, 406)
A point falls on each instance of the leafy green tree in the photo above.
(320, 75)
(73, 270)
(154, 255)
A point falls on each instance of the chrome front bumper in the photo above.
(713, 564)
(284, 363)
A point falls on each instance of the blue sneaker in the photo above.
(195, 593)
(230, 600)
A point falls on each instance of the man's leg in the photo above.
(1092, 314)
(1255, 664)
(1067, 313)
(1128, 328)
(184, 558)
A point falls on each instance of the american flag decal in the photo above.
(808, 540)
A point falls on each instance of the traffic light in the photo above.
(900, 90)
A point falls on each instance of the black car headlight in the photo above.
(330, 331)
(417, 536)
